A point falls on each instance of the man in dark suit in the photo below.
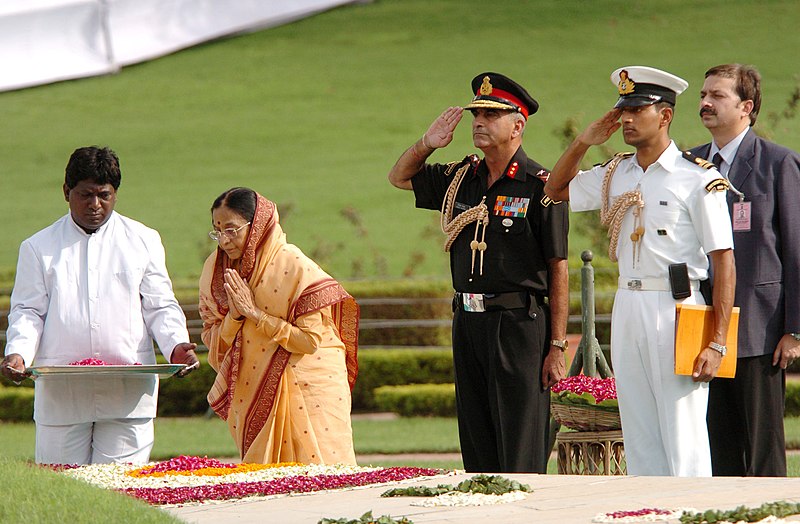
(745, 414)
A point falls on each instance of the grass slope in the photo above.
(38, 495)
(313, 114)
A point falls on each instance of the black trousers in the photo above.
(745, 420)
(503, 411)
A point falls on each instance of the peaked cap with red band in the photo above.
(496, 91)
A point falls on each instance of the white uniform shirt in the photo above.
(682, 221)
(101, 296)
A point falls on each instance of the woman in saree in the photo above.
(282, 337)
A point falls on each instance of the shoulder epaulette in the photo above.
(469, 159)
(694, 159)
(718, 184)
(543, 175)
(618, 155)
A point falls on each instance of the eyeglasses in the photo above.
(229, 233)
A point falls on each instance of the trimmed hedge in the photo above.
(184, 397)
(418, 400)
(4, 382)
(394, 367)
(378, 367)
(378, 301)
(16, 404)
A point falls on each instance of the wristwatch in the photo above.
(563, 345)
(795, 336)
(718, 347)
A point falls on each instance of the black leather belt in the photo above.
(479, 302)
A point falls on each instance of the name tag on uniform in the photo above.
(506, 206)
(741, 216)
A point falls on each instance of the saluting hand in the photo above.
(440, 133)
(240, 296)
(601, 130)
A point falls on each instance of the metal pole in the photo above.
(594, 362)
(588, 355)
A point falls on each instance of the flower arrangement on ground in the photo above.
(187, 479)
(767, 513)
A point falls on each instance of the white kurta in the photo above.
(663, 415)
(101, 296)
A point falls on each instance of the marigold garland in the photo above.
(209, 471)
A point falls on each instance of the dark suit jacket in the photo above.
(767, 256)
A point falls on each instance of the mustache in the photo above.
(707, 110)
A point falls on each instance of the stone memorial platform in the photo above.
(562, 499)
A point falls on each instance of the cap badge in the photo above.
(626, 84)
(486, 86)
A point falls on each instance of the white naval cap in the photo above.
(642, 85)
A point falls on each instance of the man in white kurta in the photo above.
(94, 284)
(680, 216)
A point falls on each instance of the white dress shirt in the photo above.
(728, 153)
(105, 295)
(682, 221)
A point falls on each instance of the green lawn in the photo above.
(313, 114)
(34, 494)
(209, 437)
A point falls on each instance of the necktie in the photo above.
(717, 160)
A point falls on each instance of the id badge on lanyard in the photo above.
(741, 216)
(741, 212)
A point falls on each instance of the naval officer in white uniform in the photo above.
(663, 208)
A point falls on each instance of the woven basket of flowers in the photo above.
(585, 403)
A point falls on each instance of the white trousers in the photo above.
(663, 414)
(104, 441)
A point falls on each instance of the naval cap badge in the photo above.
(626, 84)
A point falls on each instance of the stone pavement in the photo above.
(563, 499)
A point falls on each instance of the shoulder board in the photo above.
(694, 159)
(618, 155)
(543, 175)
(718, 184)
(469, 159)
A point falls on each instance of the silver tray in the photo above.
(162, 370)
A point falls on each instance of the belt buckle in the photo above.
(473, 302)
(635, 284)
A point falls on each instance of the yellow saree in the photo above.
(283, 384)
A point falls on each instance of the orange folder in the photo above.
(694, 327)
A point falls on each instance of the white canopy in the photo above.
(43, 41)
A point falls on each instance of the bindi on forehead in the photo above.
(228, 223)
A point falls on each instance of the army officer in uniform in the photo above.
(508, 251)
